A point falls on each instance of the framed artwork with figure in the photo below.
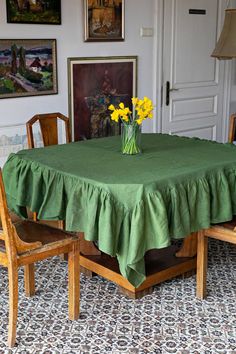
(94, 84)
(104, 20)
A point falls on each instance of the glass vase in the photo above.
(131, 139)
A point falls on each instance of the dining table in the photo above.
(132, 211)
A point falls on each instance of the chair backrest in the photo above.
(48, 127)
(13, 244)
(232, 126)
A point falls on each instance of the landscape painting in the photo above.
(27, 67)
(34, 11)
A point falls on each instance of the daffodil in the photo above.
(142, 109)
(134, 100)
(111, 107)
(115, 116)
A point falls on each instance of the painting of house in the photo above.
(36, 65)
(194, 95)
(27, 67)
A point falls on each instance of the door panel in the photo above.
(193, 108)
(196, 80)
(204, 133)
(194, 36)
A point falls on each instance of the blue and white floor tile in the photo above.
(171, 320)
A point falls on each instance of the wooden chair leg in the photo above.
(202, 253)
(61, 225)
(74, 282)
(13, 303)
(29, 279)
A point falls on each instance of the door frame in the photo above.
(158, 70)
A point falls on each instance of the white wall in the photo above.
(233, 73)
(70, 43)
(69, 35)
(233, 87)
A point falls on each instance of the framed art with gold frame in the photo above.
(103, 20)
(94, 84)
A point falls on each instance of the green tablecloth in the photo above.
(129, 204)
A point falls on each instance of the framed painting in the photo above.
(34, 11)
(28, 67)
(104, 20)
(94, 84)
(12, 139)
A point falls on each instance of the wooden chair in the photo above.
(232, 126)
(48, 123)
(48, 126)
(27, 242)
(224, 232)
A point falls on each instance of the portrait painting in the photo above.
(95, 84)
(104, 20)
(27, 67)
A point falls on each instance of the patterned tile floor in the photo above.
(171, 320)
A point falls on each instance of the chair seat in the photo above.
(31, 231)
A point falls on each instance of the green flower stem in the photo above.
(130, 139)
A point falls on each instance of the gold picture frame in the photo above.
(94, 84)
(103, 20)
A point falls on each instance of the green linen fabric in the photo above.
(128, 204)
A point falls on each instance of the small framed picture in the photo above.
(94, 84)
(34, 11)
(28, 67)
(104, 20)
(12, 139)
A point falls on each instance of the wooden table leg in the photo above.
(87, 248)
(161, 265)
(189, 247)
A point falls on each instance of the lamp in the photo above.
(226, 45)
(226, 49)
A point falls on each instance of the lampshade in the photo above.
(226, 45)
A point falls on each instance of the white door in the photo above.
(193, 82)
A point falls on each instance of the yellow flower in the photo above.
(139, 121)
(111, 107)
(142, 107)
(115, 116)
(127, 110)
(125, 118)
(134, 100)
